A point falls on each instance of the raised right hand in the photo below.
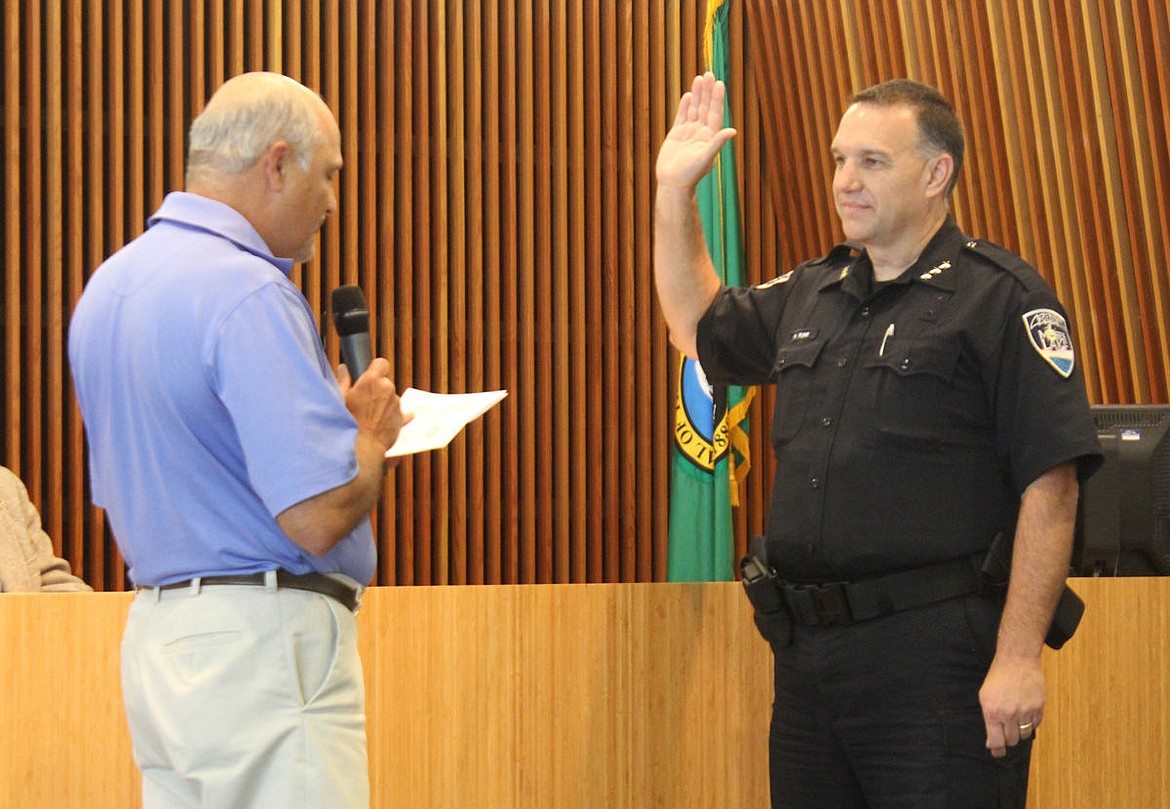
(696, 137)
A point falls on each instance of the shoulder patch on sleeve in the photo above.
(1048, 333)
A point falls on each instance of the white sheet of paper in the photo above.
(439, 417)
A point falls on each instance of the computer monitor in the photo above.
(1123, 518)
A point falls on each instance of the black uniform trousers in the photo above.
(885, 714)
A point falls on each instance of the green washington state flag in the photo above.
(710, 427)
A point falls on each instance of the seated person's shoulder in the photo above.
(27, 559)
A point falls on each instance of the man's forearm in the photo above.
(319, 523)
(1040, 559)
(683, 273)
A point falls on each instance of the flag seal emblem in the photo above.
(700, 423)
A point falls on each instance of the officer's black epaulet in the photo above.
(1003, 259)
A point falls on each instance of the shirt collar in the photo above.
(934, 265)
(196, 211)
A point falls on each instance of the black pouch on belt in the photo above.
(762, 586)
(996, 570)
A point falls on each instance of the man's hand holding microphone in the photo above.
(365, 381)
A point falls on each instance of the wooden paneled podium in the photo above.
(624, 695)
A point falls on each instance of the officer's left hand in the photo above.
(1012, 697)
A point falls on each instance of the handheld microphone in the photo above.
(351, 318)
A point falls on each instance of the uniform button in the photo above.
(815, 483)
(827, 421)
(904, 364)
(864, 312)
(782, 360)
(841, 363)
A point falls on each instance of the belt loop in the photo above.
(196, 585)
(270, 581)
(157, 594)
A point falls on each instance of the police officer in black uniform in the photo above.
(928, 401)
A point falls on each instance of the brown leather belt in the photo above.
(312, 582)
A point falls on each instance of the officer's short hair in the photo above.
(938, 124)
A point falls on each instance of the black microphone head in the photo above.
(350, 314)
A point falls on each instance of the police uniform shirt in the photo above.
(910, 417)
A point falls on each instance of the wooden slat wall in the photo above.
(496, 208)
(1067, 161)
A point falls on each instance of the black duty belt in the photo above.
(842, 603)
(312, 582)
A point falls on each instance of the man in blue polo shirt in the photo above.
(237, 472)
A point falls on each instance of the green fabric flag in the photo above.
(710, 431)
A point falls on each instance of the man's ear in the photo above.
(275, 162)
(939, 177)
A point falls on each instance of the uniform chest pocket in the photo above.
(911, 358)
(792, 371)
(914, 387)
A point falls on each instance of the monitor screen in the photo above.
(1123, 518)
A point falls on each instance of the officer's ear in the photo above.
(939, 171)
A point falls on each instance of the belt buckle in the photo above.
(832, 603)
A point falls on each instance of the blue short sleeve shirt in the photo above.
(209, 404)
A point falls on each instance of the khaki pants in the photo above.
(245, 697)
